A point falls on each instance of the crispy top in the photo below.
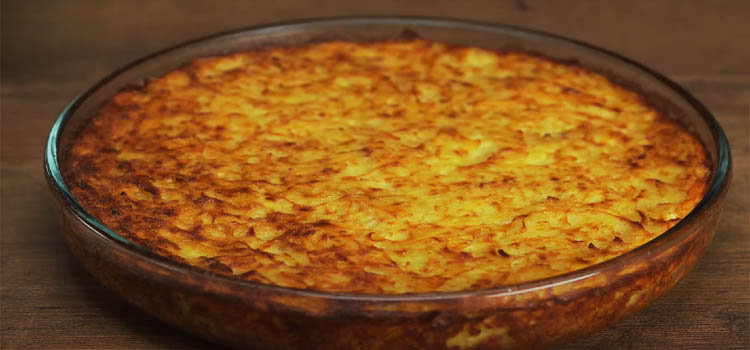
(385, 167)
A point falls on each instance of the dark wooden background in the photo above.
(52, 50)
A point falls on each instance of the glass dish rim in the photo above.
(720, 176)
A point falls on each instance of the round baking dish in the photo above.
(526, 315)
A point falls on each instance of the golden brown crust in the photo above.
(385, 167)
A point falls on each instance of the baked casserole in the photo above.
(385, 167)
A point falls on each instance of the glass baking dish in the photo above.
(532, 314)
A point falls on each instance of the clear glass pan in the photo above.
(531, 314)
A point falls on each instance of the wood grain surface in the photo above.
(52, 50)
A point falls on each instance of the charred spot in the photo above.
(554, 178)
(82, 184)
(640, 223)
(143, 183)
(279, 218)
(302, 231)
(86, 166)
(366, 151)
(617, 239)
(219, 267)
(364, 278)
(551, 198)
(289, 143)
(273, 217)
(448, 131)
(125, 166)
(123, 225)
(655, 181)
(322, 223)
(184, 179)
(482, 282)
(249, 274)
(305, 208)
(277, 62)
(168, 212)
(162, 242)
(462, 83)
(270, 197)
(203, 200)
(592, 246)
(633, 164)
(141, 242)
(251, 230)
(195, 233)
(339, 255)
(624, 138)
(152, 221)
(109, 201)
(115, 212)
(503, 253)
(123, 193)
(327, 171)
(341, 56)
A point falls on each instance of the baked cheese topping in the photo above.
(385, 167)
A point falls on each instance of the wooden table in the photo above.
(51, 50)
